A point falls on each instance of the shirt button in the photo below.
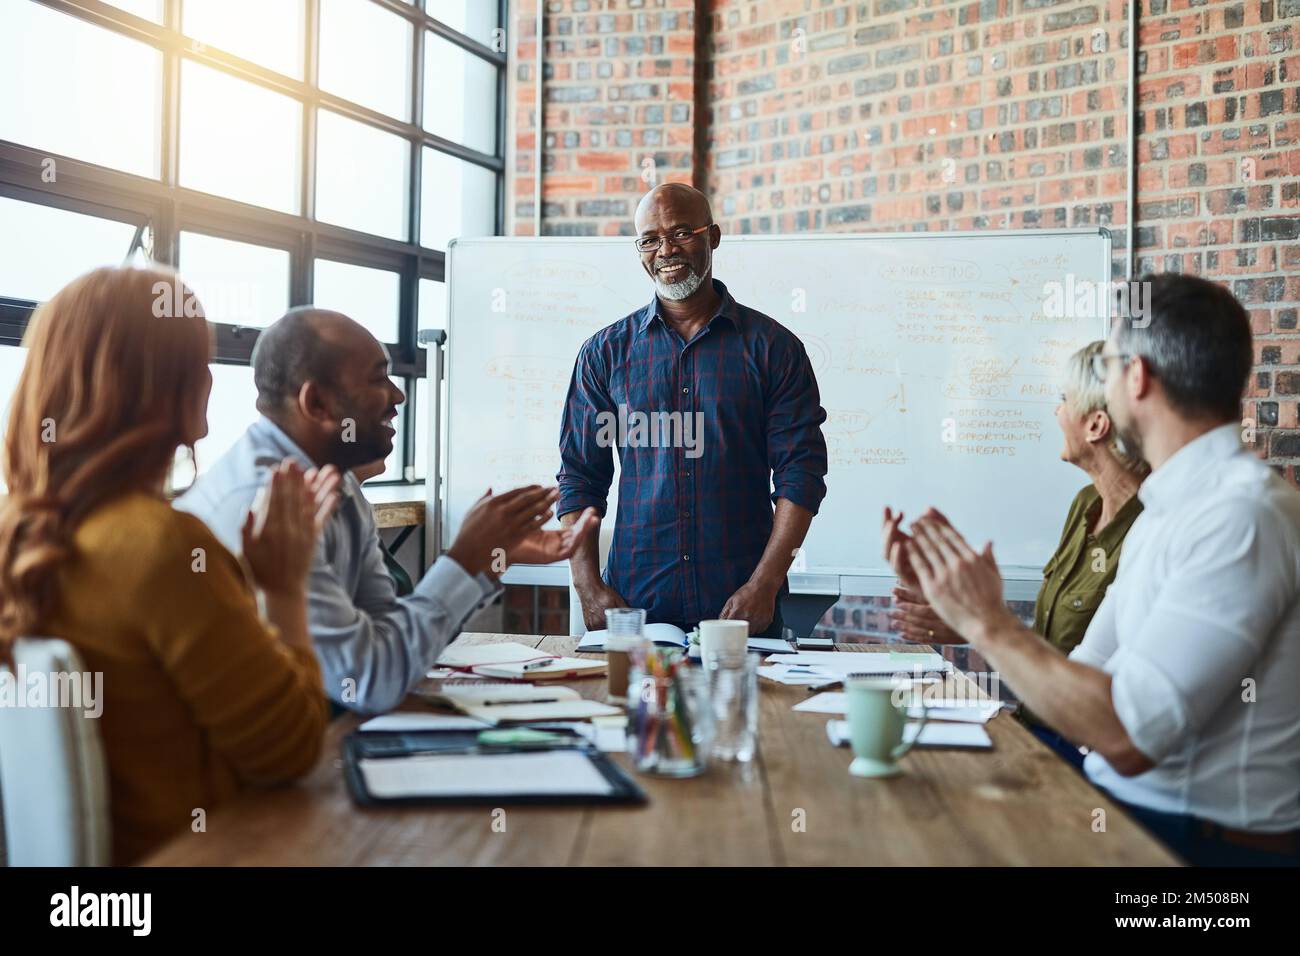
(686, 557)
(685, 391)
(1078, 602)
(686, 514)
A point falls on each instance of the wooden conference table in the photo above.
(795, 805)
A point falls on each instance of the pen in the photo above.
(534, 665)
(494, 703)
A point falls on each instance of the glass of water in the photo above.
(733, 699)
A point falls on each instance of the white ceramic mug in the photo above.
(726, 639)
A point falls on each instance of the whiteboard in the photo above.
(938, 369)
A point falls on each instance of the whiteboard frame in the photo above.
(1021, 581)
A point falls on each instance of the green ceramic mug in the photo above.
(877, 710)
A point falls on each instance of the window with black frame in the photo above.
(276, 152)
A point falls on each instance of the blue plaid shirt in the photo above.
(692, 521)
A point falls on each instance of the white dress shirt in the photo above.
(373, 646)
(1200, 633)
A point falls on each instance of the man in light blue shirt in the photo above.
(326, 399)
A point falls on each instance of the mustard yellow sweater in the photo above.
(200, 696)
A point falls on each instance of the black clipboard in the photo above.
(358, 746)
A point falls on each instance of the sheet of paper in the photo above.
(557, 772)
(935, 734)
(932, 735)
(592, 641)
(403, 722)
(477, 693)
(827, 702)
(850, 662)
(608, 733)
(835, 702)
(971, 714)
(470, 655)
(795, 676)
(523, 712)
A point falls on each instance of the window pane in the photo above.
(29, 270)
(460, 95)
(362, 176)
(458, 199)
(474, 18)
(79, 90)
(368, 296)
(238, 140)
(11, 366)
(232, 407)
(238, 283)
(276, 42)
(365, 55)
(147, 9)
(433, 304)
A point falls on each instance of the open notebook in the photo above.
(512, 661)
(670, 635)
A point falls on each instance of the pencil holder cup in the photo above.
(670, 728)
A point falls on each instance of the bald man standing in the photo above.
(326, 400)
(715, 413)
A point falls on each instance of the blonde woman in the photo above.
(201, 696)
(1076, 577)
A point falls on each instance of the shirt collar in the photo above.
(1114, 532)
(727, 309)
(272, 445)
(1182, 473)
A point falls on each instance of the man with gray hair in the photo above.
(1184, 687)
(326, 399)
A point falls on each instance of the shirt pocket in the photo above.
(1074, 612)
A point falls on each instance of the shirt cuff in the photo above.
(575, 501)
(491, 588)
(1147, 704)
(806, 491)
(451, 586)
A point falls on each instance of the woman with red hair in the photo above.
(201, 696)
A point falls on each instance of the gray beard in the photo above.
(676, 291)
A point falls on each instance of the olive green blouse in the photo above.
(1078, 574)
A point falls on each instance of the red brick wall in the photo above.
(898, 114)
(932, 114)
(1219, 191)
(619, 110)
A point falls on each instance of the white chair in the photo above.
(53, 779)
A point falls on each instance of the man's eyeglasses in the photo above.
(676, 237)
(1100, 363)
